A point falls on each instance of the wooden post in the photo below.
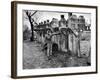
(67, 42)
(78, 44)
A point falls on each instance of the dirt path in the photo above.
(34, 57)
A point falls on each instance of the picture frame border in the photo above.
(14, 38)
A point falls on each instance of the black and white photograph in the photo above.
(56, 39)
(53, 39)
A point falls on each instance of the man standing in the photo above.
(48, 39)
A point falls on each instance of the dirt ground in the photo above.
(35, 58)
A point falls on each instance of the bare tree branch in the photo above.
(30, 14)
(32, 20)
(27, 13)
(33, 13)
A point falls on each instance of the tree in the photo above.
(31, 20)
